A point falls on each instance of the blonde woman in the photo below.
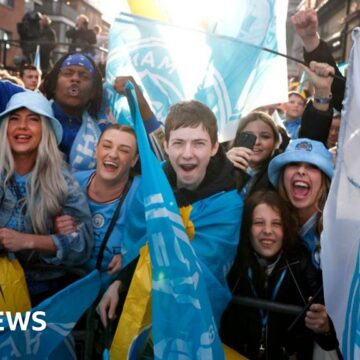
(35, 186)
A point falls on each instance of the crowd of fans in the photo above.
(66, 169)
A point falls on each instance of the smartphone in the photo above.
(245, 139)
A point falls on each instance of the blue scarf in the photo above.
(311, 240)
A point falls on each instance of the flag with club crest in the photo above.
(225, 69)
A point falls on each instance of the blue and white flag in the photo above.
(62, 311)
(340, 240)
(37, 62)
(178, 285)
(227, 71)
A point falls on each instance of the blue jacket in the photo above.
(292, 127)
(7, 90)
(73, 249)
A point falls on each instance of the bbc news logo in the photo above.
(23, 321)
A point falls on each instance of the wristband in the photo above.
(323, 101)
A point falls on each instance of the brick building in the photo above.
(11, 12)
(62, 13)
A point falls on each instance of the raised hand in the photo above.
(306, 25)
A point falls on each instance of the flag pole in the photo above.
(296, 60)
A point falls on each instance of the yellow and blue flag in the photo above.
(179, 319)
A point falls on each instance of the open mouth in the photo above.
(74, 90)
(22, 138)
(301, 188)
(187, 167)
(110, 165)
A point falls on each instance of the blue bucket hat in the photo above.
(37, 103)
(301, 150)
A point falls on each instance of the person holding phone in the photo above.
(256, 141)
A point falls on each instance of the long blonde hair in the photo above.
(46, 189)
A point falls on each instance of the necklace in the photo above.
(103, 194)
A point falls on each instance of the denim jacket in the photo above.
(73, 249)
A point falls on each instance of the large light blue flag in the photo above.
(62, 311)
(340, 240)
(227, 71)
(178, 285)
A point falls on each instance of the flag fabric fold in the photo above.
(62, 311)
(226, 70)
(178, 273)
(340, 240)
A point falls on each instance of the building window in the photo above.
(4, 37)
(9, 3)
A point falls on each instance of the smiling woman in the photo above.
(116, 204)
(35, 186)
(302, 183)
(116, 155)
(24, 135)
(302, 174)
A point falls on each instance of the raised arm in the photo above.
(306, 25)
(153, 126)
(145, 109)
(317, 117)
